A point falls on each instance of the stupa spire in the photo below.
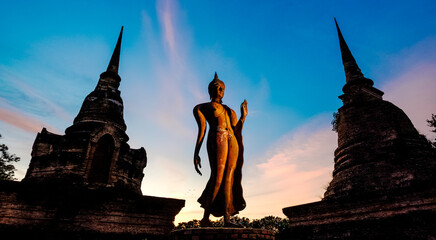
(115, 59)
(216, 76)
(352, 70)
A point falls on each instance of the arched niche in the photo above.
(101, 160)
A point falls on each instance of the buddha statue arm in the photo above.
(240, 123)
(201, 122)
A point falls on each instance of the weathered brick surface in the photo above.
(35, 210)
(222, 233)
(379, 150)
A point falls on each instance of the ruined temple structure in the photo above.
(94, 150)
(86, 184)
(384, 178)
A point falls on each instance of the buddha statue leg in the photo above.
(232, 158)
(217, 152)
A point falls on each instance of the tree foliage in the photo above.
(335, 121)
(6, 168)
(276, 224)
(432, 123)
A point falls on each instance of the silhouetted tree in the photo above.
(432, 123)
(191, 224)
(244, 222)
(7, 169)
(335, 121)
(277, 224)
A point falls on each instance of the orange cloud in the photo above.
(20, 121)
(294, 172)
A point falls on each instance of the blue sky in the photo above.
(282, 56)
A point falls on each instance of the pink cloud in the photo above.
(167, 13)
(20, 120)
(412, 87)
(295, 171)
(168, 25)
(414, 92)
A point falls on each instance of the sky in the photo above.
(282, 56)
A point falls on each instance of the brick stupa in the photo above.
(384, 178)
(86, 184)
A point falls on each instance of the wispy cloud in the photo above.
(168, 95)
(294, 171)
(412, 86)
(166, 15)
(19, 120)
(172, 77)
(414, 92)
(28, 98)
